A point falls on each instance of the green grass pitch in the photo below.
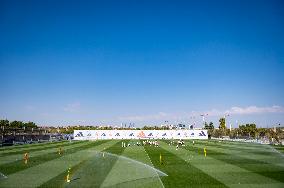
(105, 163)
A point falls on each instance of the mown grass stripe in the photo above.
(13, 158)
(115, 149)
(126, 172)
(37, 148)
(28, 145)
(248, 147)
(180, 173)
(279, 148)
(253, 150)
(250, 157)
(39, 174)
(272, 158)
(255, 166)
(236, 143)
(58, 181)
(228, 174)
(160, 181)
(137, 153)
(16, 166)
(241, 147)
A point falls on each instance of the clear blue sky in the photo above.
(93, 62)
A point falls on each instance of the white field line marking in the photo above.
(276, 151)
(153, 165)
(126, 158)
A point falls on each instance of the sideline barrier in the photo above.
(139, 134)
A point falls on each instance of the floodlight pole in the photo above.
(203, 118)
(226, 115)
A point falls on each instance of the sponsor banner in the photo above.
(139, 134)
(117, 135)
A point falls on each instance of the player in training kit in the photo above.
(205, 152)
(60, 150)
(161, 159)
(68, 176)
(26, 158)
(104, 152)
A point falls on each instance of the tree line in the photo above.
(4, 124)
(248, 130)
